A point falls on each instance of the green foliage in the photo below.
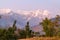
(8, 34)
(2, 34)
(22, 34)
(48, 27)
(51, 28)
(14, 25)
(57, 25)
(27, 30)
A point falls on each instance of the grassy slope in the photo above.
(42, 38)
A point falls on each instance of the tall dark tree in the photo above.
(27, 28)
(14, 25)
(11, 32)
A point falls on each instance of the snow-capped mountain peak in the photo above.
(5, 11)
(36, 13)
(34, 17)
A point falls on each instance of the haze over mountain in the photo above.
(34, 17)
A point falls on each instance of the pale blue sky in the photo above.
(51, 5)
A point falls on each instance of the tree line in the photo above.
(50, 27)
(13, 33)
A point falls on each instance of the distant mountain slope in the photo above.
(34, 17)
(37, 28)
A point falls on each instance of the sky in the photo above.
(53, 6)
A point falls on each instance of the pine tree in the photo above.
(11, 32)
(14, 25)
(27, 30)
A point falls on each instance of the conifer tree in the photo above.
(14, 25)
(27, 28)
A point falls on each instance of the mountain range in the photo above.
(7, 17)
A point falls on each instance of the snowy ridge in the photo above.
(22, 16)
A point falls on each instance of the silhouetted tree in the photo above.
(14, 25)
(11, 32)
(28, 31)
